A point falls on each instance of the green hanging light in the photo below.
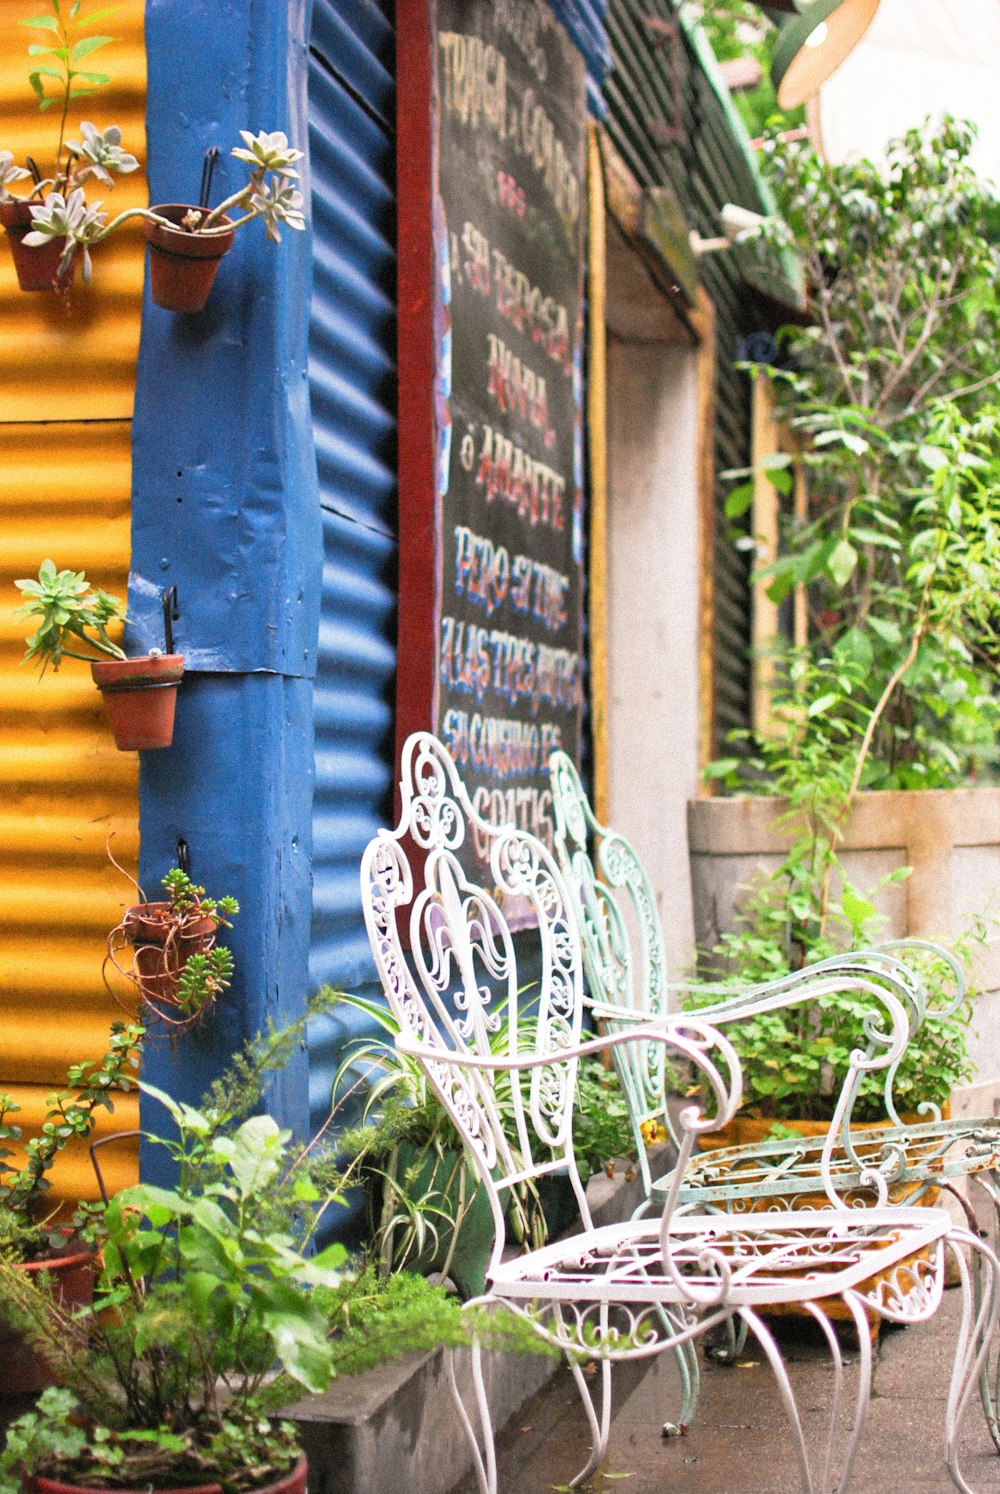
(814, 42)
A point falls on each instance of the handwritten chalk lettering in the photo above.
(546, 152)
(510, 195)
(517, 388)
(535, 490)
(477, 266)
(520, 23)
(485, 573)
(474, 81)
(542, 317)
(551, 736)
(465, 657)
(534, 672)
(539, 591)
(499, 747)
(528, 808)
(558, 679)
(482, 569)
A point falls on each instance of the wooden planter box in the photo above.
(950, 837)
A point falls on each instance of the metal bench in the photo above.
(625, 962)
(452, 904)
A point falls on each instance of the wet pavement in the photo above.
(739, 1443)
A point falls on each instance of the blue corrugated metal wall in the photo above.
(352, 375)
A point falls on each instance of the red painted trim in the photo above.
(416, 675)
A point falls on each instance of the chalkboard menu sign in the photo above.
(505, 214)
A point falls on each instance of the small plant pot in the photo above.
(182, 264)
(140, 696)
(24, 1369)
(292, 1482)
(161, 952)
(460, 1240)
(37, 269)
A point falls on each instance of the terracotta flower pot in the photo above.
(293, 1482)
(24, 1370)
(140, 696)
(37, 269)
(160, 951)
(182, 264)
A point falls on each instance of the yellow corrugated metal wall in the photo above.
(67, 378)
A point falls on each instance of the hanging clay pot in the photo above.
(140, 695)
(182, 264)
(37, 269)
(163, 947)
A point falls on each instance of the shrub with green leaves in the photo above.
(27, 1225)
(215, 1309)
(892, 392)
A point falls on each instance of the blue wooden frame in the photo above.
(225, 507)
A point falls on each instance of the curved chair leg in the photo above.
(599, 1428)
(689, 1370)
(989, 1398)
(765, 1339)
(980, 1314)
(860, 1316)
(485, 1468)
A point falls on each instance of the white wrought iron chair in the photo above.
(626, 968)
(447, 955)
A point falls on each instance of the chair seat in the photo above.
(772, 1260)
(743, 1178)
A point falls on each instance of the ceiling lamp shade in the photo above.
(812, 44)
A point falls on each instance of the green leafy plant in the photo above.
(171, 1374)
(71, 612)
(72, 1113)
(268, 194)
(215, 1307)
(891, 393)
(178, 970)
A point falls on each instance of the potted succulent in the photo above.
(139, 692)
(33, 1234)
(186, 242)
(44, 260)
(178, 969)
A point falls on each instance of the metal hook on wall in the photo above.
(207, 172)
(171, 613)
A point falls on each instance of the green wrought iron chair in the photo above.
(626, 968)
(443, 894)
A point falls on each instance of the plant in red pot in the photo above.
(139, 692)
(177, 968)
(187, 241)
(34, 1237)
(49, 230)
(202, 1296)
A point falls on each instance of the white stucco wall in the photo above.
(653, 569)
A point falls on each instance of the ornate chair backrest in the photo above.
(625, 962)
(502, 1059)
(447, 958)
(622, 941)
